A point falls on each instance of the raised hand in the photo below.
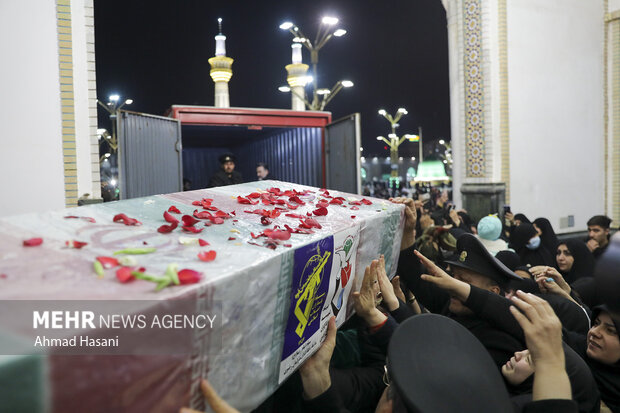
(592, 245)
(365, 300)
(315, 371)
(426, 221)
(543, 336)
(441, 279)
(411, 218)
(455, 218)
(397, 289)
(550, 272)
(387, 289)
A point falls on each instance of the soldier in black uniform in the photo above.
(227, 175)
(473, 265)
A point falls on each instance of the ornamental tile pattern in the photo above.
(474, 101)
(67, 101)
(504, 125)
(615, 116)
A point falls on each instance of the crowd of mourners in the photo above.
(495, 316)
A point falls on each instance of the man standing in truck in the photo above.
(227, 174)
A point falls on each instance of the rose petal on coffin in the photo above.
(207, 256)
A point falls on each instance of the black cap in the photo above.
(472, 255)
(227, 157)
(509, 258)
(437, 365)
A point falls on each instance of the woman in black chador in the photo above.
(527, 244)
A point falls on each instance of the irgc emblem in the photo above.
(463, 256)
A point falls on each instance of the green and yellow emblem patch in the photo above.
(463, 256)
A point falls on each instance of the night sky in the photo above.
(396, 53)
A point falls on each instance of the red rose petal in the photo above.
(355, 203)
(187, 276)
(231, 238)
(336, 201)
(108, 262)
(126, 220)
(296, 199)
(322, 204)
(320, 211)
(79, 244)
(354, 208)
(174, 209)
(197, 203)
(192, 229)
(294, 216)
(247, 201)
(165, 229)
(202, 242)
(277, 234)
(207, 256)
(366, 201)
(298, 230)
(202, 214)
(353, 216)
(33, 242)
(119, 217)
(222, 214)
(217, 220)
(169, 218)
(254, 195)
(189, 220)
(312, 223)
(123, 274)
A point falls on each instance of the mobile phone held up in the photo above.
(506, 208)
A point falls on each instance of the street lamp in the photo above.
(114, 109)
(296, 71)
(394, 141)
(445, 155)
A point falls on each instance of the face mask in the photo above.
(534, 243)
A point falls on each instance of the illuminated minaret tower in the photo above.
(221, 69)
(297, 78)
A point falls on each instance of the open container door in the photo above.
(342, 154)
(150, 160)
